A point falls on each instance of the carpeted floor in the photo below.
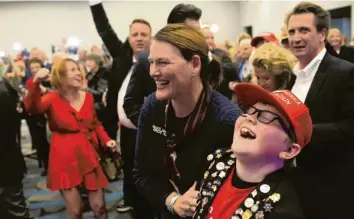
(45, 204)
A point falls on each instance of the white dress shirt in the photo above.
(305, 76)
(123, 119)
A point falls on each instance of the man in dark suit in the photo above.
(326, 85)
(141, 84)
(124, 55)
(12, 165)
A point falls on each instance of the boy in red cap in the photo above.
(252, 180)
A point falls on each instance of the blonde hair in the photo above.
(242, 36)
(331, 33)
(235, 51)
(60, 71)
(277, 61)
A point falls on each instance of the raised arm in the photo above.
(34, 102)
(104, 28)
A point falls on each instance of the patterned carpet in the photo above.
(45, 204)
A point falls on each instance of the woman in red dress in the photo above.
(76, 132)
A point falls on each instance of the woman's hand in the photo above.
(42, 74)
(112, 145)
(185, 205)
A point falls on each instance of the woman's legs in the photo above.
(73, 202)
(97, 203)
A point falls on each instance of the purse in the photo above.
(111, 163)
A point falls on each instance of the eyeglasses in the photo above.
(266, 117)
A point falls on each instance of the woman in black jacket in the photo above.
(338, 49)
(182, 122)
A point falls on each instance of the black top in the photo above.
(150, 173)
(12, 165)
(346, 53)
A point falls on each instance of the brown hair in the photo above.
(35, 60)
(140, 21)
(190, 42)
(59, 72)
(322, 17)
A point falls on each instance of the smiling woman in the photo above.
(76, 132)
(182, 122)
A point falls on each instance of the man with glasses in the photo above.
(252, 180)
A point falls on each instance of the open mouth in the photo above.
(299, 47)
(161, 83)
(246, 133)
(78, 80)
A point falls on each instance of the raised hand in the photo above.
(42, 74)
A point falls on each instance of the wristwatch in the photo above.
(172, 201)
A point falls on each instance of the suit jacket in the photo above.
(229, 72)
(326, 163)
(12, 165)
(346, 53)
(140, 86)
(279, 201)
(122, 55)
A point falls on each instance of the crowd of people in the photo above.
(261, 129)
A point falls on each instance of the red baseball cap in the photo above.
(270, 37)
(286, 102)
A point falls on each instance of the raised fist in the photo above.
(42, 74)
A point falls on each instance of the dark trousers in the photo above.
(132, 198)
(12, 203)
(38, 132)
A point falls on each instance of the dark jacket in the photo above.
(140, 86)
(229, 71)
(97, 85)
(327, 162)
(279, 182)
(122, 55)
(346, 53)
(12, 165)
(150, 174)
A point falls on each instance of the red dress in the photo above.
(73, 160)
